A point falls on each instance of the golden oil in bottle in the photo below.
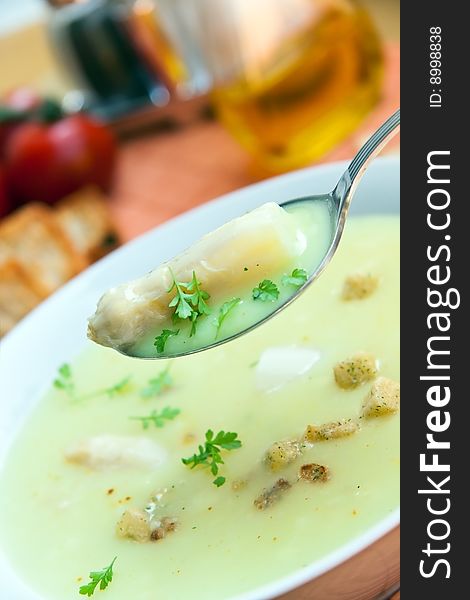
(318, 86)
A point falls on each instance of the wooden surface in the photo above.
(368, 575)
(160, 176)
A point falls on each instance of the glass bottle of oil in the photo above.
(290, 102)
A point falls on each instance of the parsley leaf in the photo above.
(189, 301)
(224, 311)
(64, 380)
(161, 340)
(198, 297)
(209, 454)
(103, 578)
(266, 290)
(158, 384)
(118, 387)
(297, 278)
(183, 309)
(158, 418)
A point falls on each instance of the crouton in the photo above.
(116, 452)
(355, 371)
(281, 454)
(359, 286)
(328, 431)
(19, 293)
(383, 398)
(134, 524)
(162, 527)
(313, 472)
(85, 218)
(32, 237)
(269, 497)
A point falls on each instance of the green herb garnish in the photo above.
(158, 419)
(161, 340)
(189, 301)
(297, 278)
(64, 380)
(266, 290)
(117, 388)
(224, 311)
(158, 384)
(198, 297)
(103, 578)
(209, 454)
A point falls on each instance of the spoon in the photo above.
(338, 202)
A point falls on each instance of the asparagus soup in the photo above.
(210, 475)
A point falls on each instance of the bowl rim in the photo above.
(12, 341)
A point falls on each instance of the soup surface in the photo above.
(60, 504)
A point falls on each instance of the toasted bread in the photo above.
(19, 293)
(34, 239)
(84, 217)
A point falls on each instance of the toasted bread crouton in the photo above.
(19, 293)
(383, 398)
(85, 219)
(33, 238)
(271, 496)
(359, 286)
(134, 524)
(355, 371)
(328, 431)
(281, 454)
(160, 528)
(313, 472)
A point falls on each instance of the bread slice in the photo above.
(33, 238)
(19, 293)
(84, 217)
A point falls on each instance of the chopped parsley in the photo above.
(158, 419)
(209, 454)
(297, 278)
(161, 340)
(117, 388)
(158, 385)
(189, 301)
(267, 290)
(64, 380)
(224, 311)
(198, 297)
(103, 578)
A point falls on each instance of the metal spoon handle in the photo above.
(346, 186)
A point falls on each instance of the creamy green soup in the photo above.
(59, 513)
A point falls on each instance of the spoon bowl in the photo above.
(337, 203)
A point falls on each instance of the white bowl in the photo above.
(364, 568)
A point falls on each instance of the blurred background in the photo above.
(116, 115)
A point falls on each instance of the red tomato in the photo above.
(5, 204)
(46, 162)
